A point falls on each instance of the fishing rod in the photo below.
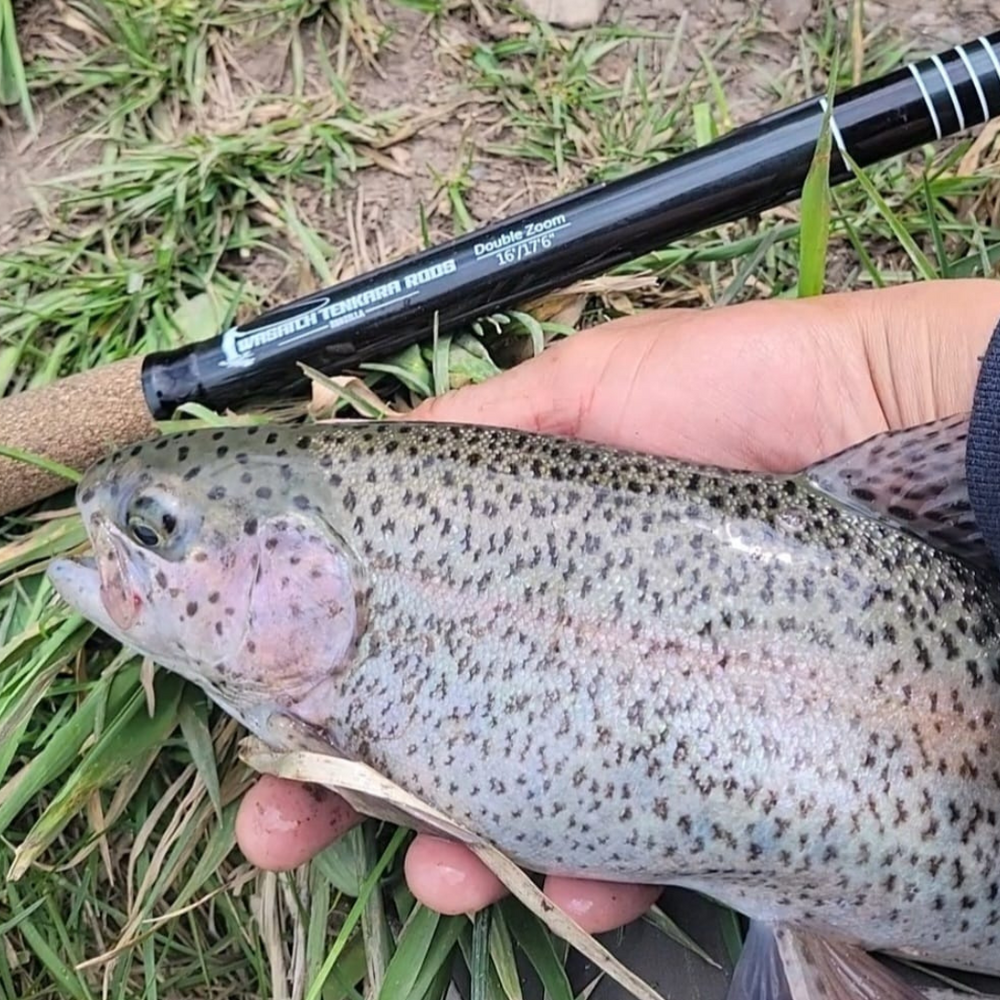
(753, 168)
(580, 235)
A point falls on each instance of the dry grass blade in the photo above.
(375, 795)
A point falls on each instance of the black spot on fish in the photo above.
(272, 438)
(217, 493)
(222, 451)
(303, 442)
(263, 492)
(213, 598)
(192, 608)
(301, 501)
(192, 472)
(246, 478)
(250, 526)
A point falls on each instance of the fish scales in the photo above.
(608, 664)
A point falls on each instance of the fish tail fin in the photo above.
(915, 478)
(781, 963)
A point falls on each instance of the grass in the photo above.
(217, 159)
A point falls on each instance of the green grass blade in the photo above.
(814, 239)
(41, 462)
(534, 328)
(479, 965)
(869, 265)
(354, 916)
(338, 864)
(440, 363)
(212, 853)
(732, 936)
(934, 223)
(535, 941)
(409, 367)
(669, 928)
(193, 718)
(125, 740)
(502, 955)
(469, 361)
(65, 978)
(374, 924)
(925, 269)
(13, 83)
(424, 946)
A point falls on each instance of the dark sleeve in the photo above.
(982, 455)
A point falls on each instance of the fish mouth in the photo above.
(106, 598)
(77, 581)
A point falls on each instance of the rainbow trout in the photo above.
(781, 691)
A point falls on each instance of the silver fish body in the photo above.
(607, 664)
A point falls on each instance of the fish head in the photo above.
(213, 556)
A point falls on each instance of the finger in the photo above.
(771, 385)
(924, 347)
(739, 386)
(281, 824)
(600, 906)
(449, 878)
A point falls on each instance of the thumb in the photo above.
(768, 384)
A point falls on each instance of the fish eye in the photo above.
(147, 522)
(143, 533)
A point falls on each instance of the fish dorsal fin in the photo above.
(914, 478)
(785, 963)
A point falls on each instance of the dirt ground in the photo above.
(420, 73)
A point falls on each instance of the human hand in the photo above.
(766, 385)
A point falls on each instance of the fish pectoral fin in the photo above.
(759, 973)
(914, 478)
(783, 963)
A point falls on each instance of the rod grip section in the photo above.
(74, 422)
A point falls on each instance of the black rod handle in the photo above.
(755, 167)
